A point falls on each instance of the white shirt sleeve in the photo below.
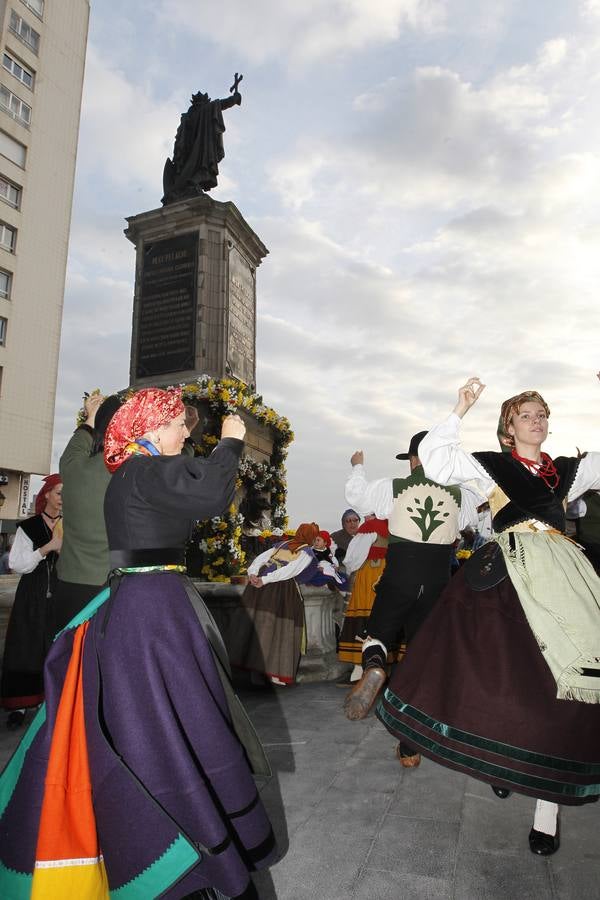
(261, 560)
(470, 500)
(445, 461)
(587, 477)
(369, 496)
(23, 559)
(290, 570)
(358, 551)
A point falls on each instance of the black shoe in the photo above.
(15, 719)
(501, 792)
(544, 844)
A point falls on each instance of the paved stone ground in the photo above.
(359, 827)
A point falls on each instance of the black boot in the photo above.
(544, 844)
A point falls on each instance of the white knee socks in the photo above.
(546, 816)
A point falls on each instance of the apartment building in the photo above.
(42, 57)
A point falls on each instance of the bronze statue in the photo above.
(198, 148)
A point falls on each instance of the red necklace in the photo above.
(545, 469)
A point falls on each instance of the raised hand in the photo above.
(91, 403)
(468, 394)
(357, 458)
(233, 427)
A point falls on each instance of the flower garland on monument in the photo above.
(219, 538)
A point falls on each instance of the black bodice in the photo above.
(153, 502)
(529, 496)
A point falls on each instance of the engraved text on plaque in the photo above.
(166, 323)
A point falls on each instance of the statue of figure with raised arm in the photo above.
(198, 148)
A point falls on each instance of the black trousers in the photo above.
(414, 577)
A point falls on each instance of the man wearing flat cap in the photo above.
(424, 520)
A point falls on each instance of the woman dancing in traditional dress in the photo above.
(133, 778)
(511, 690)
(33, 556)
(271, 636)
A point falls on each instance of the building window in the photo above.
(12, 149)
(3, 327)
(25, 75)
(9, 192)
(14, 106)
(7, 237)
(36, 6)
(5, 284)
(24, 32)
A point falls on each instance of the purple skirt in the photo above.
(475, 694)
(176, 806)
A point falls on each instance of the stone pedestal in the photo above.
(321, 608)
(194, 308)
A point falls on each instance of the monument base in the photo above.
(194, 307)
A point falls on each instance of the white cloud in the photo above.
(302, 33)
(591, 8)
(433, 140)
(126, 134)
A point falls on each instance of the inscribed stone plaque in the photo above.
(166, 331)
(242, 317)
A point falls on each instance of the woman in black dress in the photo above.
(141, 724)
(33, 556)
(511, 690)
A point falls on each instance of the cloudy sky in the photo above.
(426, 176)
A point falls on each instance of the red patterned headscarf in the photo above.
(50, 481)
(512, 407)
(146, 410)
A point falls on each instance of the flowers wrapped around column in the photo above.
(220, 540)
